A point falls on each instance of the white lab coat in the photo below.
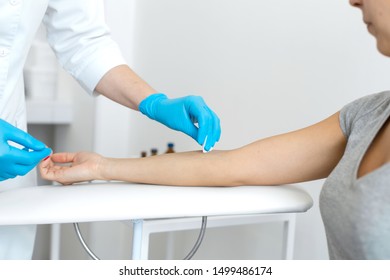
(78, 35)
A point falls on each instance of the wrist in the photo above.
(103, 169)
(147, 106)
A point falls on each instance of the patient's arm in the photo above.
(307, 154)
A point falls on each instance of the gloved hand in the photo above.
(182, 114)
(15, 161)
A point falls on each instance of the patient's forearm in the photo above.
(302, 155)
(189, 168)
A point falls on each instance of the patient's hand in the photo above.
(69, 168)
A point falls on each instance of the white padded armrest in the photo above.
(123, 201)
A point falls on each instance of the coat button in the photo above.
(4, 52)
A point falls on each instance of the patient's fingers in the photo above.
(45, 163)
(45, 166)
(68, 168)
(63, 157)
(53, 173)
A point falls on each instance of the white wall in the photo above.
(278, 65)
(265, 67)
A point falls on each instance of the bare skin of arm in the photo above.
(303, 155)
(124, 86)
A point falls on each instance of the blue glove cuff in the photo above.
(147, 105)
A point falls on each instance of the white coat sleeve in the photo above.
(80, 38)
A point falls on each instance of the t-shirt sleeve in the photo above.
(351, 112)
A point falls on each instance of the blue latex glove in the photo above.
(15, 161)
(182, 114)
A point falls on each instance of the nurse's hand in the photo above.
(182, 114)
(69, 168)
(18, 161)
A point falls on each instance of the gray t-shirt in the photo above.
(356, 212)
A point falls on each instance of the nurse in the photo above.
(350, 149)
(81, 41)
